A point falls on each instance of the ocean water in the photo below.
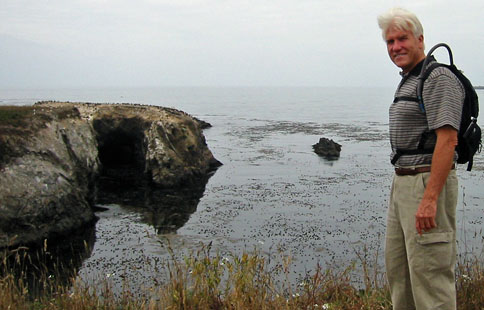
(273, 194)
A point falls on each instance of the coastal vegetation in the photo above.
(12, 115)
(31, 117)
(206, 280)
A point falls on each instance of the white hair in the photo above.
(401, 19)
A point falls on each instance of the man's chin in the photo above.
(401, 63)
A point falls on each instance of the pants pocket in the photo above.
(436, 250)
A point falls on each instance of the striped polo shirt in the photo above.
(443, 96)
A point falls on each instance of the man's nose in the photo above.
(396, 46)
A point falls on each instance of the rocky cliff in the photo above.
(53, 154)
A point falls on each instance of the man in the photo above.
(420, 249)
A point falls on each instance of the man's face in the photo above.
(404, 49)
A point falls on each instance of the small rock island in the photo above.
(52, 155)
(327, 148)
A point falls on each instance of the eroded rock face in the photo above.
(49, 163)
(166, 145)
(51, 160)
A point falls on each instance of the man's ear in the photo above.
(421, 41)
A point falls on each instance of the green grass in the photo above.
(25, 116)
(15, 116)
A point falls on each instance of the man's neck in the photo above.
(415, 69)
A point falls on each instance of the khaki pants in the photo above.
(421, 268)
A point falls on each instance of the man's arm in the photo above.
(442, 160)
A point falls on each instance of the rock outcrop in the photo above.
(53, 154)
(327, 148)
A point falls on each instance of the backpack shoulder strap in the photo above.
(421, 79)
(405, 98)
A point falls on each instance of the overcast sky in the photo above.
(136, 43)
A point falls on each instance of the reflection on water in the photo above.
(170, 211)
(43, 268)
(165, 210)
(130, 216)
(133, 223)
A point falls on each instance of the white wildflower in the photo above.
(224, 260)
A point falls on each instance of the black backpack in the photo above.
(469, 132)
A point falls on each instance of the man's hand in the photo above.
(425, 216)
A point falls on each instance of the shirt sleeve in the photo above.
(443, 96)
